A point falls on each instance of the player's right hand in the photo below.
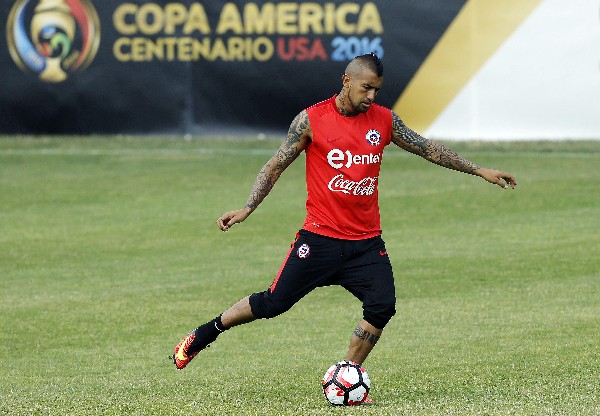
(227, 220)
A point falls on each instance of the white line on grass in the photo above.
(133, 152)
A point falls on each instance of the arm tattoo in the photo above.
(288, 152)
(428, 149)
(366, 335)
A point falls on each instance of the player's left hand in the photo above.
(498, 177)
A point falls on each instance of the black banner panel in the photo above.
(82, 66)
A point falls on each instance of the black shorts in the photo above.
(360, 266)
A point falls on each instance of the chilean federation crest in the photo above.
(304, 251)
(373, 137)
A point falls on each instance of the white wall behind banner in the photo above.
(542, 83)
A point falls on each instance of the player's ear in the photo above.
(345, 79)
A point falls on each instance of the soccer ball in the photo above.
(346, 384)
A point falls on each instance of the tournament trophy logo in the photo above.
(53, 38)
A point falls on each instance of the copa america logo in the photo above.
(53, 38)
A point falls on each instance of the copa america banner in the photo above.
(457, 68)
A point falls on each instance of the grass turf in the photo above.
(109, 254)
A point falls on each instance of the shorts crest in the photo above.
(304, 251)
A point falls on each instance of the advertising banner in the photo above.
(115, 66)
(207, 67)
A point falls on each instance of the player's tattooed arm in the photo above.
(297, 138)
(296, 141)
(430, 150)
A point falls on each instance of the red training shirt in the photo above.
(343, 161)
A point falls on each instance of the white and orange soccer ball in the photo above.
(346, 384)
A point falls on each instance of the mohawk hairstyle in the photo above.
(368, 61)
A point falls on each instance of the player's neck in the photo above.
(343, 106)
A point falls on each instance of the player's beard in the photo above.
(359, 108)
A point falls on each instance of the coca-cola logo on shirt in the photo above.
(363, 187)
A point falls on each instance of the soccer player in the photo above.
(340, 241)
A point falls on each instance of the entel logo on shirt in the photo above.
(337, 158)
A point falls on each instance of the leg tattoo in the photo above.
(366, 335)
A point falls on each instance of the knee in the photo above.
(380, 314)
(265, 307)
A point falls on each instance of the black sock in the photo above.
(207, 333)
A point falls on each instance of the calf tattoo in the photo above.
(366, 335)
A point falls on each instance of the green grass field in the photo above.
(109, 254)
